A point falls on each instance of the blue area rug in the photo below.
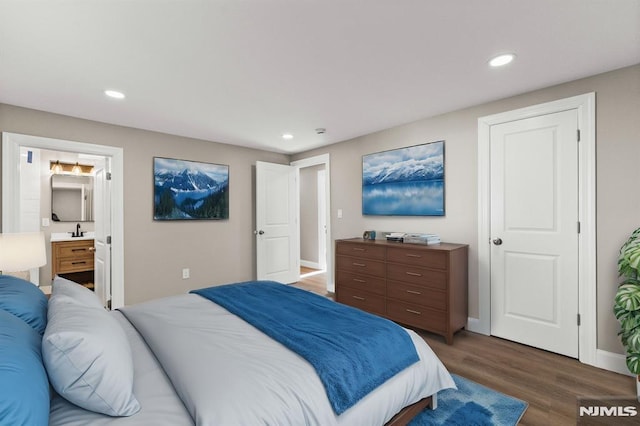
(472, 405)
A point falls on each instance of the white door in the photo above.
(534, 231)
(102, 269)
(277, 226)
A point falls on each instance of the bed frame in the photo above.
(410, 411)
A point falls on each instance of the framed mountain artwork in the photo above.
(404, 182)
(190, 190)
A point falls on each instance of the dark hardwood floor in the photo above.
(549, 383)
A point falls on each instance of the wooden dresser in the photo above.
(417, 285)
(71, 258)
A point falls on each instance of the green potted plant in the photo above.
(627, 303)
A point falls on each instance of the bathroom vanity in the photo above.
(73, 258)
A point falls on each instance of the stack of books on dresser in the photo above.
(427, 239)
(396, 236)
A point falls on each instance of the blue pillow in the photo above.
(24, 388)
(24, 300)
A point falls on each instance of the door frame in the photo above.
(586, 107)
(321, 181)
(11, 143)
(314, 161)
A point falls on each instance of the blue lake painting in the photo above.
(404, 182)
(185, 190)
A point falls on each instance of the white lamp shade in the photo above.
(22, 251)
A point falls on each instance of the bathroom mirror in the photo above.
(71, 198)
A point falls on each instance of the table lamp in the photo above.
(22, 251)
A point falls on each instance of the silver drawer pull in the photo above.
(358, 280)
(362, 265)
(414, 274)
(358, 297)
(359, 249)
(414, 312)
(413, 292)
(413, 255)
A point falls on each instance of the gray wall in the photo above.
(618, 159)
(155, 252)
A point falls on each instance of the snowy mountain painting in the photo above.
(190, 190)
(405, 182)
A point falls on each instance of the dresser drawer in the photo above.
(362, 282)
(417, 295)
(364, 250)
(417, 316)
(74, 265)
(415, 256)
(417, 276)
(362, 300)
(75, 250)
(360, 265)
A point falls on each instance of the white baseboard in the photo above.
(310, 264)
(612, 361)
(474, 324)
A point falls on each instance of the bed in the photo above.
(180, 360)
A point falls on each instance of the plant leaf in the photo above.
(628, 296)
(633, 362)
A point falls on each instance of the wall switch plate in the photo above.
(185, 273)
(339, 213)
(45, 222)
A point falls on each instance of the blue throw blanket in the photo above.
(352, 351)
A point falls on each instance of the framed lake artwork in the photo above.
(190, 190)
(404, 182)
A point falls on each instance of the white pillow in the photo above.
(88, 358)
(76, 291)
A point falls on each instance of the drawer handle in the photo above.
(414, 274)
(413, 255)
(413, 292)
(79, 249)
(359, 249)
(358, 280)
(414, 312)
(78, 263)
(362, 265)
(358, 297)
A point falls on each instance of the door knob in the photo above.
(497, 241)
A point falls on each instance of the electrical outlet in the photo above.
(185, 273)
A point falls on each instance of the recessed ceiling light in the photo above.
(114, 94)
(501, 60)
(287, 136)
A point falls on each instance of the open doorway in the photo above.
(14, 220)
(315, 236)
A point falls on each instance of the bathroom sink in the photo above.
(66, 236)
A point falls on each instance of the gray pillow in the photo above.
(76, 291)
(88, 358)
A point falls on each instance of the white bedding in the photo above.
(226, 372)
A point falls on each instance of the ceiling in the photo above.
(244, 72)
